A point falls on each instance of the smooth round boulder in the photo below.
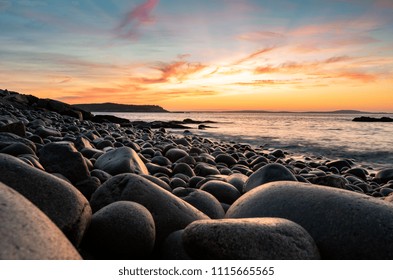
(384, 175)
(249, 239)
(223, 191)
(344, 224)
(268, 173)
(237, 180)
(64, 158)
(174, 154)
(227, 159)
(59, 200)
(203, 201)
(205, 169)
(183, 168)
(121, 230)
(28, 234)
(170, 213)
(121, 160)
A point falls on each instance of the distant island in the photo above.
(307, 112)
(114, 107)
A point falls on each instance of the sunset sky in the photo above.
(201, 54)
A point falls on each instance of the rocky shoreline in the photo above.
(74, 188)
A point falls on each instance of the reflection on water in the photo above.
(329, 135)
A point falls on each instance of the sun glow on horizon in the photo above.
(248, 55)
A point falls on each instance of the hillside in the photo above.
(114, 107)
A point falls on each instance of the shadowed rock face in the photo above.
(59, 200)
(27, 233)
(344, 224)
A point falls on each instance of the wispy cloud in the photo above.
(139, 15)
(254, 55)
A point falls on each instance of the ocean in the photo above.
(332, 136)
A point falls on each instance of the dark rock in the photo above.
(227, 159)
(204, 170)
(339, 164)
(17, 149)
(63, 158)
(121, 230)
(172, 248)
(174, 154)
(101, 175)
(358, 172)
(158, 182)
(371, 119)
(384, 175)
(121, 160)
(183, 168)
(88, 186)
(224, 192)
(269, 173)
(334, 181)
(45, 132)
(60, 201)
(27, 233)
(177, 183)
(170, 213)
(17, 128)
(7, 138)
(237, 180)
(250, 239)
(154, 169)
(344, 224)
(203, 201)
(161, 160)
(278, 154)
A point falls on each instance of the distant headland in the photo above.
(114, 107)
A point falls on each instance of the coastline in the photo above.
(182, 188)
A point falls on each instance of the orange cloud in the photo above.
(254, 55)
(259, 36)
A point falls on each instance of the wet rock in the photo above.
(121, 160)
(170, 213)
(28, 234)
(121, 230)
(224, 192)
(344, 224)
(63, 158)
(59, 200)
(250, 239)
(269, 173)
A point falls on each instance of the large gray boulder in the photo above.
(344, 224)
(28, 234)
(121, 160)
(59, 200)
(170, 213)
(252, 239)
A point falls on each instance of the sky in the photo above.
(201, 54)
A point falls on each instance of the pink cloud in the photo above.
(260, 35)
(254, 55)
(137, 16)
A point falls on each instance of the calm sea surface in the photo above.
(330, 135)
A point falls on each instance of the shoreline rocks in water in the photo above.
(371, 119)
(170, 196)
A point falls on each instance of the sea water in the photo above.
(332, 136)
